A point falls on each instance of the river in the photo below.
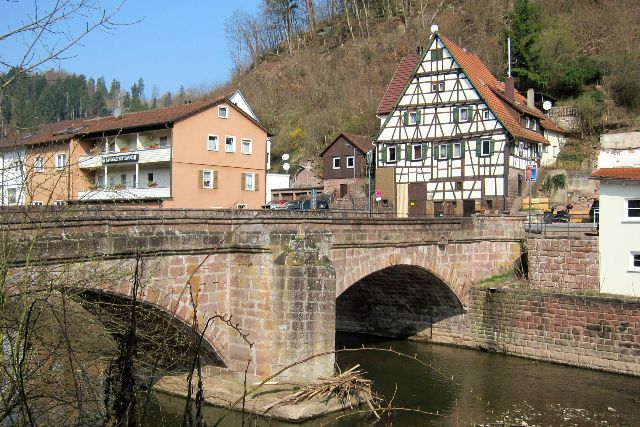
(468, 387)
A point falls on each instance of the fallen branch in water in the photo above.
(348, 387)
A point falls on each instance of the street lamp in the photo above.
(353, 194)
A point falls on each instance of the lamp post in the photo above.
(353, 194)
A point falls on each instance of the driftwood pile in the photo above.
(348, 387)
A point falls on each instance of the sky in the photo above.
(176, 42)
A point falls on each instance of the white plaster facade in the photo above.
(13, 171)
(619, 238)
(619, 150)
(275, 180)
(550, 152)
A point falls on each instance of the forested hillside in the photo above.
(314, 68)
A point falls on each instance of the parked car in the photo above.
(277, 204)
(305, 205)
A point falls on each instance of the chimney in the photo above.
(509, 88)
(531, 98)
(419, 50)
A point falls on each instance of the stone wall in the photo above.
(566, 117)
(564, 263)
(587, 331)
(355, 198)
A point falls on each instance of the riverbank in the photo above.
(586, 330)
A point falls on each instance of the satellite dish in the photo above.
(286, 166)
(434, 28)
(117, 112)
(546, 105)
(285, 157)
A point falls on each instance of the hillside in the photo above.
(333, 81)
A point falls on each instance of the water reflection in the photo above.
(486, 389)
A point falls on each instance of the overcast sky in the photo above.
(178, 42)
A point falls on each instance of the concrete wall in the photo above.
(587, 331)
(619, 237)
(563, 263)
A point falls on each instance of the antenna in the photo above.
(509, 56)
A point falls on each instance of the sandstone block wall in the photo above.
(564, 263)
(586, 331)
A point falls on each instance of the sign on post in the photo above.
(378, 195)
(531, 174)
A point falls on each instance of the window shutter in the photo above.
(406, 118)
(470, 116)
(243, 181)
(418, 117)
(201, 178)
(450, 151)
(397, 152)
(462, 144)
(478, 148)
(456, 114)
(407, 151)
(383, 154)
(214, 177)
(436, 151)
(256, 182)
(492, 146)
(424, 150)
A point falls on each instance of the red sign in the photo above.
(378, 195)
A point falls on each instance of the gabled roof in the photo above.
(617, 173)
(488, 87)
(363, 143)
(60, 131)
(398, 82)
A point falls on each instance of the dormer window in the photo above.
(530, 123)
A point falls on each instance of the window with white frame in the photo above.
(442, 151)
(457, 150)
(213, 143)
(61, 161)
(336, 162)
(437, 86)
(350, 162)
(485, 114)
(633, 209)
(223, 112)
(245, 146)
(12, 196)
(38, 164)
(464, 114)
(36, 203)
(164, 141)
(391, 154)
(207, 178)
(634, 264)
(230, 144)
(249, 181)
(416, 152)
(485, 147)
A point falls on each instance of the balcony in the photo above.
(129, 193)
(151, 155)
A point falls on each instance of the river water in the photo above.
(467, 387)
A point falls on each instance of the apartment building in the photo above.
(205, 154)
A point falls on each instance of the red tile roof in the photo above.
(492, 91)
(398, 82)
(363, 143)
(617, 173)
(52, 132)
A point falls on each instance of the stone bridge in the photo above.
(290, 279)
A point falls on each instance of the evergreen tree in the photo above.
(114, 90)
(524, 29)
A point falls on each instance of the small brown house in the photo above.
(345, 172)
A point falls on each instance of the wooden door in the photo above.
(417, 199)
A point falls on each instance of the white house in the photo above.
(454, 140)
(12, 176)
(619, 150)
(619, 240)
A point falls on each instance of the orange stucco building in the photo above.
(206, 154)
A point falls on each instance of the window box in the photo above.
(152, 184)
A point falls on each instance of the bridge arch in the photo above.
(162, 333)
(400, 300)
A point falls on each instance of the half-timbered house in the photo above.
(453, 139)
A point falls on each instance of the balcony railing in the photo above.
(153, 155)
(126, 193)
